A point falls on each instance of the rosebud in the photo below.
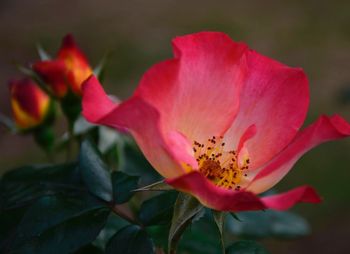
(69, 70)
(30, 105)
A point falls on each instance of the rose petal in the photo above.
(220, 199)
(164, 151)
(286, 200)
(275, 98)
(96, 104)
(197, 93)
(324, 129)
(214, 197)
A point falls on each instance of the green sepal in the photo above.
(157, 186)
(100, 69)
(44, 56)
(45, 137)
(219, 218)
(71, 107)
(185, 209)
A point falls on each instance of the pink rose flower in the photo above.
(220, 121)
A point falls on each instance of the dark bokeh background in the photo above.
(314, 35)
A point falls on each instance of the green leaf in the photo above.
(69, 236)
(22, 186)
(113, 224)
(246, 247)
(130, 240)
(159, 235)
(95, 172)
(201, 236)
(219, 218)
(260, 224)
(186, 208)
(158, 210)
(44, 56)
(123, 186)
(51, 211)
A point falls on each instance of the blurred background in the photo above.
(314, 35)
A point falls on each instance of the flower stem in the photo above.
(123, 212)
(70, 141)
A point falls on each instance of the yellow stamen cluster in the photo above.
(218, 165)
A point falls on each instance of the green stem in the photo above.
(70, 140)
(117, 209)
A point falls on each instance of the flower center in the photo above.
(222, 167)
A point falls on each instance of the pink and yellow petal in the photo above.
(197, 92)
(275, 99)
(162, 149)
(324, 129)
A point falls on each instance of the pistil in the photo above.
(219, 165)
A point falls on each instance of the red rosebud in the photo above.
(30, 105)
(68, 70)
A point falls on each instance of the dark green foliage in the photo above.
(95, 172)
(123, 185)
(50, 211)
(114, 223)
(68, 236)
(202, 236)
(186, 208)
(159, 209)
(51, 208)
(130, 240)
(24, 185)
(68, 208)
(246, 247)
